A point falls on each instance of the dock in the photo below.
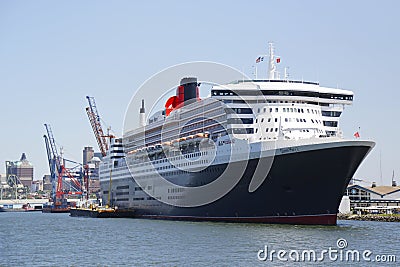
(370, 217)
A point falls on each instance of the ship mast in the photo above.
(272, 73)
(142, 115)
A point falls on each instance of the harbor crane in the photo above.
(94, 119)
(58, 172)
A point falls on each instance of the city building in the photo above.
(21, 170)
(3, 179)
(94, 181)
(92, 160)
(88, 154)
(47, 186)
(37, 185)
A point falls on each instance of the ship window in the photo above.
(241, 130)
(286, 119)
(284, 109)
(262, 120)
(276, 129)
(269, 119)
(256, 120)
(330, 123)
(276, 109)
(265, 109)
(312, 120)
(271, 130)
(240, 110)
(270, 109)
(308, 111)
(266, 130)
(276, 119)
(256, 130)
(258, 110)
(123, 187)
(291, 109)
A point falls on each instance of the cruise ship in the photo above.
(263, 150)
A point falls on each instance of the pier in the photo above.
(370, 217)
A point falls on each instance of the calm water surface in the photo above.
(37, 239)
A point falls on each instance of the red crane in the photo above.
(94, 119)
(58, 171)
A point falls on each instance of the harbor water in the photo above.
(37, 239)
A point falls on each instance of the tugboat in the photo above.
(93, 209)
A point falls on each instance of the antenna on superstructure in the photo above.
(380, 164)
(393, 181)
(254, 71)
(286, 73)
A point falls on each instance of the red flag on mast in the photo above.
(357, 135)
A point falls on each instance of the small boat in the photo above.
(101, 212)
(57, 208)
(28, 207)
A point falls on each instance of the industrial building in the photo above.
(374, 198)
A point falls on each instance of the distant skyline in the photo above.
(54, 53)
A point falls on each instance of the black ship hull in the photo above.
(304, 187)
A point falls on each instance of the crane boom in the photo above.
(53, 146)
(94, 119)
(52, 166)
(49, 155)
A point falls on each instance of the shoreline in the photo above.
(370, 217)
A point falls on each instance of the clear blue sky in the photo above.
(54, 53)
